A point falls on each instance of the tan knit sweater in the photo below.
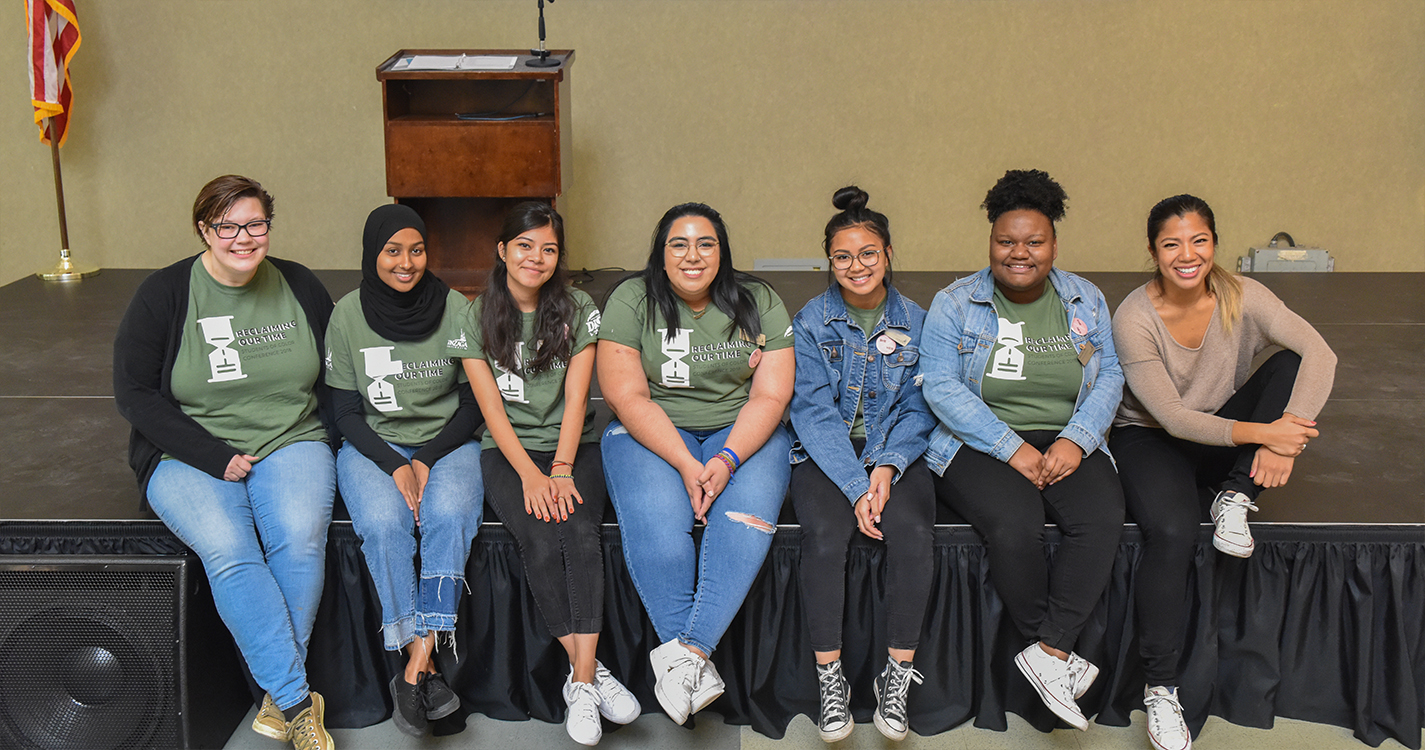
(1179, 389)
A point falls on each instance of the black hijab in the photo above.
(393, 315)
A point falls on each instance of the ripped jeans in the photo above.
(415, 602)
(692, 594)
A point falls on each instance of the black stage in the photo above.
(1324, 623)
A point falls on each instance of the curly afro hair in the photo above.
(1026, 189)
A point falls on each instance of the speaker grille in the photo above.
(88, 656)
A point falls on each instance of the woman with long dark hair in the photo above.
(1021, 372)
(528, 351)
(696, 361)
(409, 472)
(1196, 415)
(218, 367)
(860, 425)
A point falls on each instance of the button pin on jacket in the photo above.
(885, 345)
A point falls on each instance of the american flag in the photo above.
(54, 37)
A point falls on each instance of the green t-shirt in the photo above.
(700, 378)
(866, 320)
(1032, 379)
(533, 403)
(409, 389)
(248, 363)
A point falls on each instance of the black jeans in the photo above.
(1161, 477)
(563, 562)
(1009, 513)
(828, 522)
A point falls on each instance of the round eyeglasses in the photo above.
(680, 247)
(868, 258)
(229, 231)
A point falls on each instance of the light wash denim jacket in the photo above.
(835, 363)
(960, 333)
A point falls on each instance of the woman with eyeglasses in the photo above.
(218, 367)
(410, 470)
(1021, 372)
(528, 348)
(859, 427)
(695, 359)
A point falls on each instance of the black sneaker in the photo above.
(891, 687)
(836, 722)
(410, 711)
(440, 700)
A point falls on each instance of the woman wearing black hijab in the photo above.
(409, 461)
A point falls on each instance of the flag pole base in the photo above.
(67, 271)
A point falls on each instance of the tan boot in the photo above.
(309, 730)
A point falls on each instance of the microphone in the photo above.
(541, 54)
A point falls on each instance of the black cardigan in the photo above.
(146, 348)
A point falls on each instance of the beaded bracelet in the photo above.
(565, 475)
(728, 463)
(736, 462)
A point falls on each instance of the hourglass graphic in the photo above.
(676, 372)
(218, 332)
(379, 365)
(511, 385)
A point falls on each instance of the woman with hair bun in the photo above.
(859, 417)
(1021, 371)
(1195, 415)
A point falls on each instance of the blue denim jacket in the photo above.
(835, 363)
(959, 336)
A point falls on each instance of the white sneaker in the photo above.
(581, 721)
(1229, 512)
(710, 687)
(1084, 674)
(1166, 728)
(676, 673)
(1055, 683)
(616, 703)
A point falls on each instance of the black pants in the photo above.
(1161, 477)
(828, 522)
(563, 562)
(1009, 513)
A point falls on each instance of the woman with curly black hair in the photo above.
(1021, 372)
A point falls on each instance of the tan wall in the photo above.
(1297, 116)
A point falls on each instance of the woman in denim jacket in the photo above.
(857, 410)
(1021, 372)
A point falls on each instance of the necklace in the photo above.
(700, 313)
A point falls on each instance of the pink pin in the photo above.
(885, 345)
(756, 358)
(1078, 327)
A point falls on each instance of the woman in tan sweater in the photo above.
(1192, 417)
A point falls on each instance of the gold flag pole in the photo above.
(66, 270)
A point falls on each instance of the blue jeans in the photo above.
(263, 543)
(415, 603)
(692, 594)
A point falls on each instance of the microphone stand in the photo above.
(541, 55)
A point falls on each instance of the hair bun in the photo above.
(850, 198)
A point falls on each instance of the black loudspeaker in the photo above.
(114, 652)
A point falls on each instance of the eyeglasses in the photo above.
(868, 258)
(229, 231)
(679, 247)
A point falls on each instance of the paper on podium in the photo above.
(456, 62)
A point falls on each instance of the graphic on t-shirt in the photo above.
(595, 318)
(511, 385)
(379, 366)
(676, 372)
(1008, 362)
(459, 343)
(218, 331)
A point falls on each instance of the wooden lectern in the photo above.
(463, 146)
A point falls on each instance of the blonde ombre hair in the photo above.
(1221, 283)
